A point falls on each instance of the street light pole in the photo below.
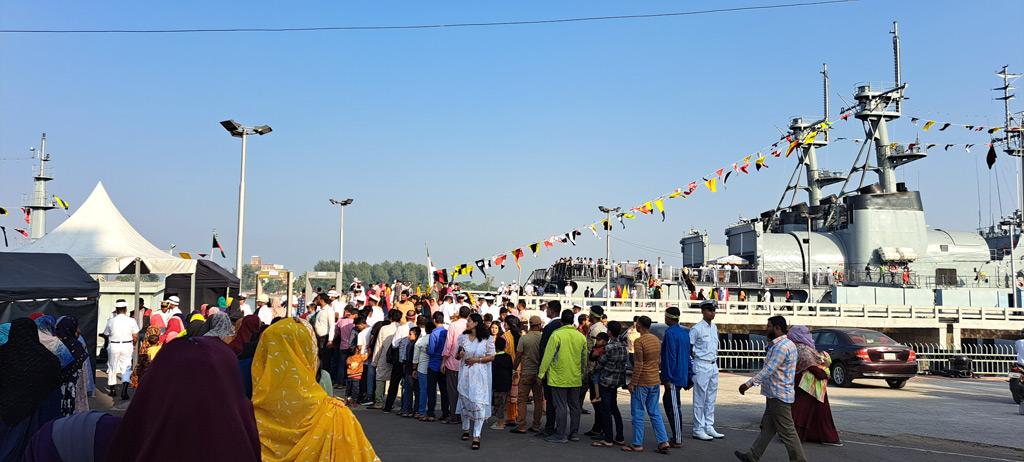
(240, 232)
(338, 278)
(238, 130)
(608, 253)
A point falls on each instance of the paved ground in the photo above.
(932, 419)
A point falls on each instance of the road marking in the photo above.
(932, 451)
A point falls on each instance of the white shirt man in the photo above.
(568, 290)
(324, 324)
(263, 310)
(704, 344)
(244, 306)
(488, 307)
(376, 312)
(1020, 349)
(121, 332)
(447, 308)
(174, 301)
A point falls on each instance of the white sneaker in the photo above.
(702, 436)
(714, 434)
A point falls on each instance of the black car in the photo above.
(867, 354)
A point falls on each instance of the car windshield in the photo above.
(870, 338)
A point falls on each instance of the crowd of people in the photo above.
(268, 389)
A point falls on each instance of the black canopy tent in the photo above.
(211, 282)
(51, 283)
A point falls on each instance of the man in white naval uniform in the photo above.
(122, 332)
(704, 341)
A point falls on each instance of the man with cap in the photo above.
(376, 312)
(244, 306)
(165, 312)
(704, 339)
(675, 372)
(263, 309)
(122, 332)
(174, 301)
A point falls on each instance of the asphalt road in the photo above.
(932, 419)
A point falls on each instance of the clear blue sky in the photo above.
(475, 140)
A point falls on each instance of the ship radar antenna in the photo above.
(896, 60)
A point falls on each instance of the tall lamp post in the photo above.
(238, 130)
(341, 239)
(608, 252)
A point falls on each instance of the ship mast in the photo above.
(1012, 146)
(39, 203)
(878, 108)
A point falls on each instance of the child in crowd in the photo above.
(600, 342)
(355, 362)
(501, 382)
(405, 352)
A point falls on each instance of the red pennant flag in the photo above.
(28, 215)
(844, 116)
(719, 172)
(745, 168)
(548, 243)
(22, 232)
(517, 254)
(500, 260)
(216, 245)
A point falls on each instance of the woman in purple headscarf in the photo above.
(812, 414)
(168, 401)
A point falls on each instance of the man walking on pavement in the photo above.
(704, 339)
(675, 372)
(776, 380)
(552, 311)
(563, 366)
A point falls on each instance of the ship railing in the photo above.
(626, 308)
(747, 355)
(737, 278)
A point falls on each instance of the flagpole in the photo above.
(430, 266)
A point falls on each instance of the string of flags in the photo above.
(783, 147)
(26, 214)
(943, 126)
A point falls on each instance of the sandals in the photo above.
(475, 445)
(430, 419)
(465, 436)
(662, 448)
(631, 448)
(602, 444)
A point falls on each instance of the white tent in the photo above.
(102, 241)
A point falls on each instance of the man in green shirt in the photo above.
(563, 366)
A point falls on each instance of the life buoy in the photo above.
(770, 280)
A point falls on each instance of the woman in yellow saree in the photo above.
(297, 420)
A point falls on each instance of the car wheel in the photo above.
(839, 375)
(896, 384)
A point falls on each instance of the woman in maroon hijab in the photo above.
(194, 385)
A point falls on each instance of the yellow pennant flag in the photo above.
(629, 215)
(185, 255)
(712, 184)
(810, 137)
(625, 293)
(678, 192)
(660, 205)
(61, 203)
(928, 125)
(994, 130)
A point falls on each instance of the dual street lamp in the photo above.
(240, 131)
(607, 211)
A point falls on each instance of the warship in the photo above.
(866, 243)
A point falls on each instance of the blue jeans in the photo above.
(371, 381)
(646, 399)
(407, 393)
(422, 395)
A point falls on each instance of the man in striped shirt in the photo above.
(776, 381)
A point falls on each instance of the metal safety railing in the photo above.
(622, 308)
(986, 360)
